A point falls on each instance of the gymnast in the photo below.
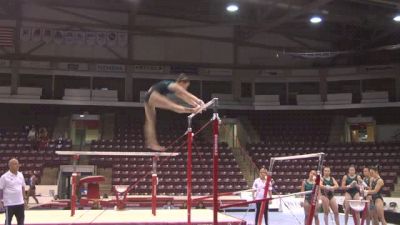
(156, 98)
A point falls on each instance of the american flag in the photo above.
(6, 36)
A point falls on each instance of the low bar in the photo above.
(161, 154)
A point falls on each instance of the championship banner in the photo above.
(47, 35)
(69, 37)
(79, 37)
(58, 37)
(122, 39)
(110, 68)
(101, 38)
(148, 69)
(111, 39)
(184, 69)
(73, 66)
(35, 64)
(25, 34)
(36, 34)
(218, 72)
(91, 38)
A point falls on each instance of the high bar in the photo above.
(117, 153)
(297, 156)
(205, 106)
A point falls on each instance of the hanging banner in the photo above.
(47, 35)
(110, 68)
(111, 39)
(58, 37)
(25, 34)
(184, 69)
(35, 64)
(91, 38)
(73, 66)
(69, 37)
(79, 37)
(101, 38)
(36, 34)
(148, 69)
(122, 39)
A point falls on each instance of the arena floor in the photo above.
(286, 218)
(125, 217)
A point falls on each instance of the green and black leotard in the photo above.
(367, 180)
(377, 195)
(328, 182)
(308, 187)
(354, 190)
(161, 87)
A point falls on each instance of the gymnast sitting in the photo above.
(156, 98)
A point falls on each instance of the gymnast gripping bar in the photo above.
(205, 106)
(168, 154)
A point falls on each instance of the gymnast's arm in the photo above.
(302, 189)
(335, 184)
(186, 96)
(344, 187)
(377, 188)
(254, 189)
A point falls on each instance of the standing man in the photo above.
(12, 188)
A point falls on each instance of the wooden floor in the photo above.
(108, 217)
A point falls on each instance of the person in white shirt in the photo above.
(12, 193)
(259, 187)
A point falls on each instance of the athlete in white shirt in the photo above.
(12, 188)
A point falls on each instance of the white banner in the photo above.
(36, 34)
(26, 34)
(101, 38)
(110, 68)
(149, 69)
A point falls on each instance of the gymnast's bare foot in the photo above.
(157, 148)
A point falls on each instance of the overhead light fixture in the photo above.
(315, 19)
(232, 7)
(397, 18)
(81, 116)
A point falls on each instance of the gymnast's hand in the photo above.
(197, 109)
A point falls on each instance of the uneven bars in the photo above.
(264, 199)
(117, 153)
(297, 156)
(205, 106)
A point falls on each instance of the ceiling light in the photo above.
(81, 116)
(232, 7)
(316, 19)
(397, 18)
